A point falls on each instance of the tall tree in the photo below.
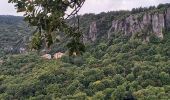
(50, 16)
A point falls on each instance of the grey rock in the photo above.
(92, 34)
(142, 25)
(158, 24)
(167, 19)
(146, 24)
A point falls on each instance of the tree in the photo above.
(151, 93)
(98, 96)
(119, 93)
(49, 16)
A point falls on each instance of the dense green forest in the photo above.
(118, 68)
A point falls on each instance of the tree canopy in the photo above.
(49, 16)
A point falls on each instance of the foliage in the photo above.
(49, 17)
(116, 69)
(133, 72)
(14, 33)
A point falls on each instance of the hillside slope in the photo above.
(115, 68)
(14, 33)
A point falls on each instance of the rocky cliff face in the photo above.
(91, 35)
(167, 19)
(142, 24)
(154, 23)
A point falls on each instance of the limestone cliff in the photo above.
(141, 24)
(91, 35)
(167, 19)
(149, 23)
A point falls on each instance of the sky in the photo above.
(93, 6)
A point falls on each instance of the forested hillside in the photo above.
(14, 33)
(117, 67)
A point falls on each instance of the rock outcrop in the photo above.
(167, 19)
(46, 56)
(91, 35)
(154, 23)
(141, 24)
(58, 55)
(158, 24)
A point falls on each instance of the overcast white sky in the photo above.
(94, 6)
